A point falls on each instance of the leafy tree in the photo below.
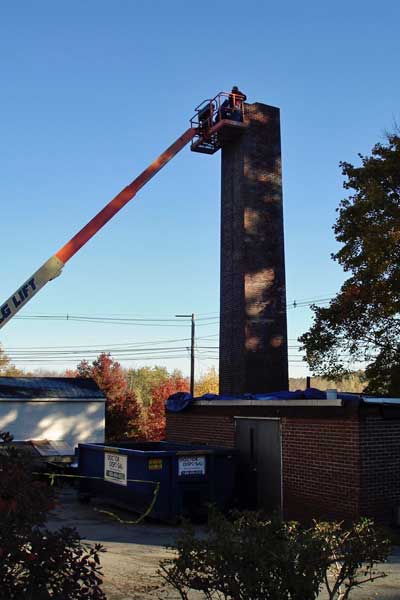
(6, 368)
(156, 412)
(107, 373)
(207, 383)
(72, 373)
(35, 563)
(362, 322)
(141, 381)
(42, 372)
(124, 414)
(355, 382)
(13, 371)
(4, 360)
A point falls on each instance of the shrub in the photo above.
(37, 564)
(351, 554)
(247, 558)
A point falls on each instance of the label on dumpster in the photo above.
(192, 465)
(115, 468)
(155, 464)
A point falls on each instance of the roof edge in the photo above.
(304, 403)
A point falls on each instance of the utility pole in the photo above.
(191, 350)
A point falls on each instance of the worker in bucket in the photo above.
(236, 98)
(231, 108)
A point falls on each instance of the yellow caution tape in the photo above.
(52, 477)
(139, 519)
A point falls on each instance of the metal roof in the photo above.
(34, 388)
(372, 400)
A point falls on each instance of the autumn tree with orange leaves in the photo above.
(125, 418)
(155, 429)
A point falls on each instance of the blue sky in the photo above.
(92, 91)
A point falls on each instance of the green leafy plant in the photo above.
(351, 555)
(361, 323)
(248, 558)
(35, 563)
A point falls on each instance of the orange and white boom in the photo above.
(53, 267)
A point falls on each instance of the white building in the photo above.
(52, 408)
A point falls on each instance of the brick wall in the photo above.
(320, 459)
(201, 429)
(380, 467)
(321, 468)
(333, 467)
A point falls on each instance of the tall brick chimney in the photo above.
(253, 329)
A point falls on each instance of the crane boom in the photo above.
(53, 266)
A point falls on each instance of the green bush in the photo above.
(247, 558)
(351, 554)
(37, 564)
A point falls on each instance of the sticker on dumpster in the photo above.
(115, 468)
(192, 465)
(155, 464)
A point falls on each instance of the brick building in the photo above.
(336, 458)
(305, 456)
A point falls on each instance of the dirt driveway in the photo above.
(134, 551)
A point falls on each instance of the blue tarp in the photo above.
(178, 401)
(181, 400)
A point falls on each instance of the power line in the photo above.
(101, 347)
(74, 361)
(109, 320)
(119, 318)
(23, 354)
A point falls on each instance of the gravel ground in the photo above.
(134, 552)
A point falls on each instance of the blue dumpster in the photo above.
(189, 476)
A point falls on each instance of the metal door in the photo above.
(258, 443)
